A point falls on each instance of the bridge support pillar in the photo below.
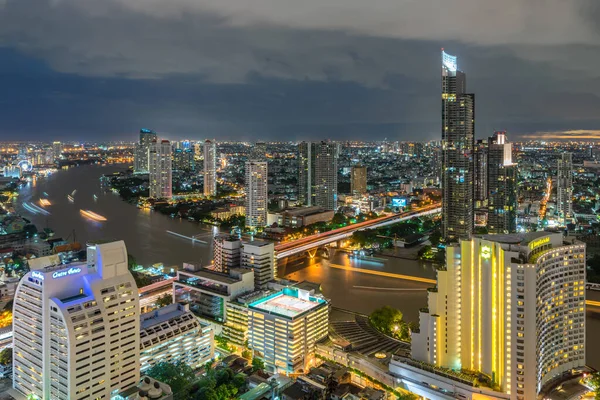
(312, 253)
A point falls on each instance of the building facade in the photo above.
(210, 168)
(458, 133)
(257, 194)
(227, 252)
(183, 159)
(259, 256)
(509, 306)
(564, 188)
(502, 186)
(173, 333)
(207, 292)
(318, 174)
(284, 327)
(140, 156)
(76, 327)
(358, 180)
(160, 170)
(480, 177)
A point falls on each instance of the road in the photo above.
(287, 249)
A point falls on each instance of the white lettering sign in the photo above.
(70, 271)
(37, 275)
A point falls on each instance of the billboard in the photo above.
(399, 202)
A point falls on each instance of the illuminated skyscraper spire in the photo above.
(458, 133)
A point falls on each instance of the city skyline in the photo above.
(290, 211)
(350, 64)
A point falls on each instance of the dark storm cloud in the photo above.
(276, 68)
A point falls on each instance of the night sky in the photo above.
(294, 69)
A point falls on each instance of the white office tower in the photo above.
(256, 194)
(564, 188)
(509, 306)
(284, 327)
(161, 172)
(76, 327)
(210, 168)
(173, 333)
(227, 251)
(140, 155)
(260, 257)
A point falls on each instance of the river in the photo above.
(146, 237)
(144, 232)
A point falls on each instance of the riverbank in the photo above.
(144, 232)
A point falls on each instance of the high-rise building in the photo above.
(509, 306)
(227, 252)
(173, 333)
(160, 170)
(284, 327)
(258, 152)
(564, 188)
(458, 133)
(317, 181)
(140, 160)
(76, 326)
(256, 194)
(210, 168)
(57, 149)
(358, 179)
(259, 256)
(480, 175)
(183, 160)
(502, 185)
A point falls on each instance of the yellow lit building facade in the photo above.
(509, 306)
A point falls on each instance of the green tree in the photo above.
(6, 356)
(206, 393)
(257, 364)
(338, 219)
(389, 321)
(131, 261)
(164, 300)
(178, 375)
(247, 354)
(594, 382)
(435, 237)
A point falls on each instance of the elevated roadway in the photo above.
(287, 249)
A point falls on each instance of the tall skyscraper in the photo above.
(210, 168)
(317, 181)
(57, 149)
(227, 252)
(161, 172)
(502, 185)
(480, 177)
(358, 179)
(458, 133)
(258, 152)
(76, 327)
(509, 306)
(564, 188)
(257, 197)
(140, 160)
(183, 159)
